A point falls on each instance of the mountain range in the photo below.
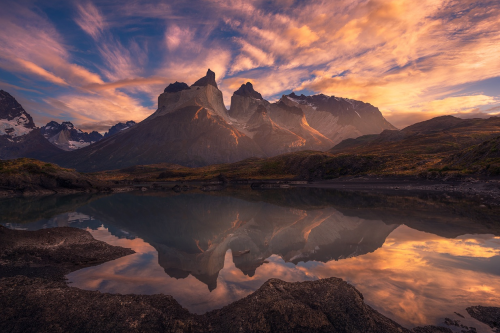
(315, 136)
(67, 137)
(192, 127)
(19, 137)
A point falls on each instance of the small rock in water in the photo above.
(240, 253)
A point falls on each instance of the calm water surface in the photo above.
(416, 259)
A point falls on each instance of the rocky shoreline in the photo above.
(36, 298)
(488, 190)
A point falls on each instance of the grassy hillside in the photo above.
(441, 135)
(25, 175)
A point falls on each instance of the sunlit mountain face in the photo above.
(210, 249)
(97, 63)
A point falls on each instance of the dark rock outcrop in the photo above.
(176, 87)
(51, 253)
(206, 80)
(247, 90)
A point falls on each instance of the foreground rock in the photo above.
(52, 253)
(35, 298)
(486, 314)
(328, 305)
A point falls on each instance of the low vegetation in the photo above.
(26, 175)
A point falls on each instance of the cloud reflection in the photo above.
(415, 278)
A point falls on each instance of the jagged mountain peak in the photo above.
(14, 120)
(339, 118)
(247, 90)
(68, 125)
(66, 137)
(176, 87)
(206, 80)
(120, 127)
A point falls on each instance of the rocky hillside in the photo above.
(483, 158)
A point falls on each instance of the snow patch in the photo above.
(78, 144)
(14, 127)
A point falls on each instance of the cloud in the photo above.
(6, 85)
(126, 83)
(90, 20)
(88, 108)
(411, 59)
(31, 68)
(302, 36)
(176, 36)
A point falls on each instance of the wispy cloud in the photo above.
(90, 20)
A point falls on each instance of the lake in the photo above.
(416, 258)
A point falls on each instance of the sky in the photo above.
(99, 62)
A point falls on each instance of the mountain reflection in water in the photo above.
(416, 259)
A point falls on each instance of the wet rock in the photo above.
(52, 253)
(327, 305)
(42, 305)
(432, 329)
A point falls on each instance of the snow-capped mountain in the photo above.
(119, 127)
(67, 137)
(339, 118)
(14, 120)
(19, 137)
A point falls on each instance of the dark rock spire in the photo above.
(176, 87)
(206, 80)
(248, 91)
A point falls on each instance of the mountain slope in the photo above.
(31, 145)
